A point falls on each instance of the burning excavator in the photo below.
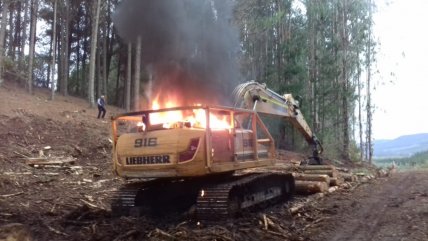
(187, 156)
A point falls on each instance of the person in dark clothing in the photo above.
(101, 107)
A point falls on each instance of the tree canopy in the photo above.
(320, 50)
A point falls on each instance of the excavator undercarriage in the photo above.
(216, 198)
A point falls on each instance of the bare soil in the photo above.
(71, 202)
(393, 208)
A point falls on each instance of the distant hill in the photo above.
(403, 146)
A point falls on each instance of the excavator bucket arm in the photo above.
(256, 96)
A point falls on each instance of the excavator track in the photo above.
(213, 201)
(228, 199)
(155, 197)
(123, 201)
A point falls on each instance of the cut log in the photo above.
(310, 187)
(341, 169)
(382, 173)
(361, 174)
(318, 167)
(293, 210)
(22, 155)
(336, 181)
(11, 195)
(333, 189)
(364, 179)
(15, 231)
(311, 177)
(349, 177)
(346, 185)
(44, 161)
(17, 173)
(330, 173)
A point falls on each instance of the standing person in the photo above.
(101, 107)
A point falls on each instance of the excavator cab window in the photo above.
(243, 120)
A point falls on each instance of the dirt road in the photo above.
(388, 209)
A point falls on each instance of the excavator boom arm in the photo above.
(256, 96)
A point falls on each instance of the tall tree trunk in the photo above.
(78, 87)
(59, 51)
(99, 86)
(53, 65)
(360, 118)
(84, 64)
(67, 49)
(137, 75)
(128, 79)
(3, 25)
(104, 64)
(11, 54)
(65, 40)
(94, 38)
(369, 104)
(48, 74)
(312, 18)
(104, 46)
(344, 79)
(33, 29)
(17, 33)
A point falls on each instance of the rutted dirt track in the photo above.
(394, 208)
(71, 202)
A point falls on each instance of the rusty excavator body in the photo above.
(191, 161)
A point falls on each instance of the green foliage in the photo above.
(9, 64)
(313, 49)
(418, 160)
(77, 84)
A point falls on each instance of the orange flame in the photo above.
(196, 118)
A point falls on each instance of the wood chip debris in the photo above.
(46, 162)
(12, 195)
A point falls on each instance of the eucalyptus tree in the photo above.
(54, 42)
(33, 30)
(94, 38)
(64, 46)
(369, 108)
(3, 24)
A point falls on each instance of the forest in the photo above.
(416, 161)
(132, 51)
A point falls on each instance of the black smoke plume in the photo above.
(190, 46)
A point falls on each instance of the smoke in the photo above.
(189, 46)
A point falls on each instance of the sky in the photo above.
(400, 91)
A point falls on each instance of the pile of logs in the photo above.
(319, 178)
